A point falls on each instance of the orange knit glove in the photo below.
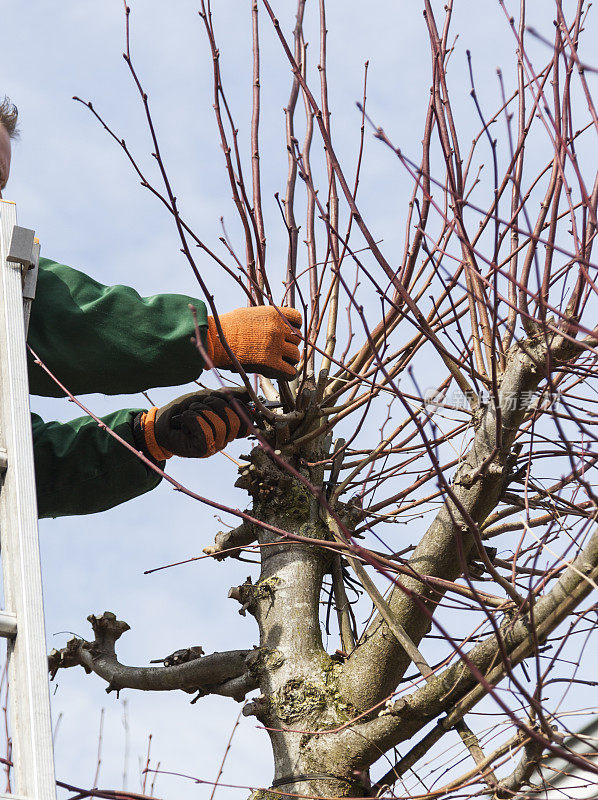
(263, 338)
(196, 425)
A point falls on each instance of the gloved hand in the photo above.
(263, 338)
(196, 425)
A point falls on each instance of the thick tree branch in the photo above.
(378, 663)
(218, 673)
(461, 686)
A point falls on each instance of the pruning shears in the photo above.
(269, 404)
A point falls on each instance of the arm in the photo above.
(96, 338)
(80, 469)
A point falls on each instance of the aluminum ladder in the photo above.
(22, 624)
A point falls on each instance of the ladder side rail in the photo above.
(30, 285)
(27, 668)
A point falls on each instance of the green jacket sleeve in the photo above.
(96, 338)
(81, 469)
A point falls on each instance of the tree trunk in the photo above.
(297, 678)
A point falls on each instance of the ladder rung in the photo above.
(13, 797)
(8, 629)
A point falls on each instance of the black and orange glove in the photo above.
(196, 425)
(264, 339)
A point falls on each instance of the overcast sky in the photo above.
(74, 187)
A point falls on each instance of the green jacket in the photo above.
(96, 338)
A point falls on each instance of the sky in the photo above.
(72, 184)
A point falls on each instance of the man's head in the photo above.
(8, 131)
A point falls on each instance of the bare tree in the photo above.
(449, 392)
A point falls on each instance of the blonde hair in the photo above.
(9, 116)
